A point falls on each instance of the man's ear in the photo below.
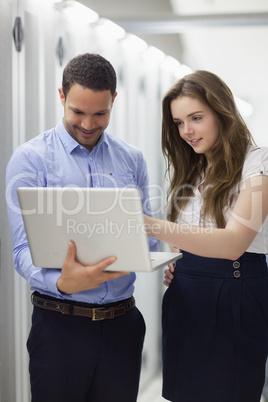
(62, 97)
(115, 95)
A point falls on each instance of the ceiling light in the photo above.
(134, 43)
(245, 108)
(170, 64)
(111, 29)
(154, 55)
(77, 11)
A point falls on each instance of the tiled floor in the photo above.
(152, 391)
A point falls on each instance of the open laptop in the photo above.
(102, 222)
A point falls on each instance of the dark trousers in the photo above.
(75, 359)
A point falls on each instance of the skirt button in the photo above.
(236, 264)
(237, 274)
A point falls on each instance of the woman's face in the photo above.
(197, 124)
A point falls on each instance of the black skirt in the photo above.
(215, 330)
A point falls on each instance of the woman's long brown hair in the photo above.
(184, 166)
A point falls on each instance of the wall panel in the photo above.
(7, 355)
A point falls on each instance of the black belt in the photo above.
(95, 313)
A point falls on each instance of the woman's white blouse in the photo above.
(256, 164)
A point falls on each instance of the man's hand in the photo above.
(169, 274)
(76, 277)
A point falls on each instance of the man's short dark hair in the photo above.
(90, 71)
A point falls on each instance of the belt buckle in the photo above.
(94, 310)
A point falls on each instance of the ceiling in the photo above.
(229, 38)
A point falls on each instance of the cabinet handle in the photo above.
(60, 50)
(18, 34)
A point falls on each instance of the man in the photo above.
(74, 358)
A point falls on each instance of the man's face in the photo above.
(86, 113)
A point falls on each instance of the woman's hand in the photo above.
(169, 274)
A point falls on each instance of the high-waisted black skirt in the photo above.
(215, 330)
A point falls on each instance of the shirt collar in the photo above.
(70, 143)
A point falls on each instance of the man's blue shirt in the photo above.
(53, 159)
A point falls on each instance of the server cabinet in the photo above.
(7, 328)
(27, 107)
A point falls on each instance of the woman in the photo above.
(215, 310)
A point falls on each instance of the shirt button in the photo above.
(236, 264)
(237, 274)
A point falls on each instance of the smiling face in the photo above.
(197, 124)
(86, 113)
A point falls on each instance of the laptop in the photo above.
(102, 222)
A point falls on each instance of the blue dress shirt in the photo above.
(52, 159)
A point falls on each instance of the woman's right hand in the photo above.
(169, 274)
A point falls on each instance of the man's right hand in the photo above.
(76, 277)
